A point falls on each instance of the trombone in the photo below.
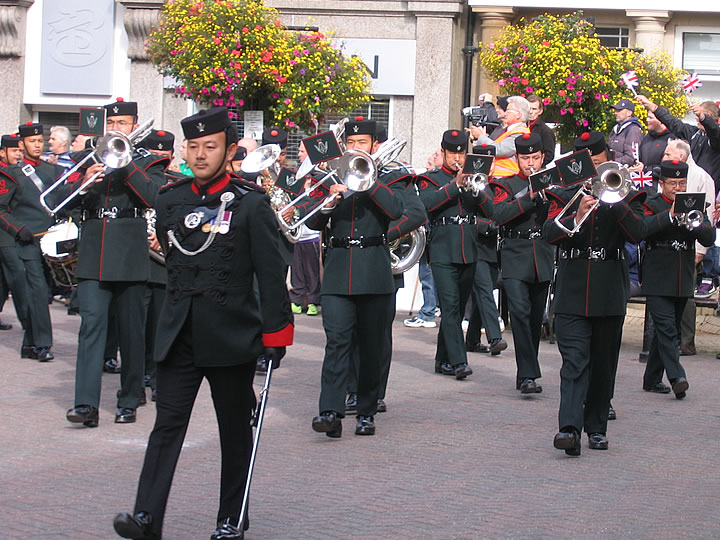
(114, 150)
(611, 186)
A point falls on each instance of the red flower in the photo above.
(561, 93)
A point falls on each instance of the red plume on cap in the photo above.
(454, 133)
(526, 135)
(359, 118)
(675, 162)
(161, 133)
(120, 99)
(484, 144)
(585, 136)
(14, 135)
(28, 123)
(274, 133)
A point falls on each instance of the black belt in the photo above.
(530, 234)
(362, 242)
(591, 254)
(675, 245)
(114, 213)
(454, 220)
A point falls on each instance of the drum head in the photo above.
(60, 241)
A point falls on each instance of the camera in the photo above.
(482, 115)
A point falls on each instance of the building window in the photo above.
(701, 53)
(613, 36)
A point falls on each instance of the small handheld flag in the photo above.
(631, 81)
(642, 179)
(691, 83)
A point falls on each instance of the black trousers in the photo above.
(154, 299)
(95, 298)
(14, 273)
(666, 313)
(526, 304)
(39, 332)
(305, 274)
(453, 283)
(365, 319)
(589, 347)
(178, 381)
(484, 309)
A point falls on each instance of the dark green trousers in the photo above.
(14, 272)
(365, 319)
(484, 309)
(453, 283)
(589, 349)
(666, 313)
(526, 304)
(95, 298)
(36, 287)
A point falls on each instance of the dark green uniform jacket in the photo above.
(215, 287)
(451, 243)
(115, 248)
(595, 283)
(668, 265)
(357, 269)
(524, 254)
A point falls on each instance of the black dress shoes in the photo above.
(497, 346)
(41, 354)
(597, 441)
(125, 415)
(679, 387)
(529, 386)
(445, 368)
(658, 388)
(365, 425)
(136, 526)
(153, 394)
(147, 380)
(478, 347)
(26, 352)
(381, 406)
(86, 415)
(328, 423)
(351, 403)
(5, 326)
(568, 441)
(612, 415)
(462, 371)
(227, 530)
(111, 365)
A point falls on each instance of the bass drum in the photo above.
(59, 247)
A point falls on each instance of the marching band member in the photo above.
(217, 232)
(23, 217)
(357, 291)
(526, 258)
(668, 276)
(452, 211)
(592, 288)
(113, 268)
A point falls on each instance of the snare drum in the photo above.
(59, 247)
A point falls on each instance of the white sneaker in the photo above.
(417, 322)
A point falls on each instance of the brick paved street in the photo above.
(451, 459)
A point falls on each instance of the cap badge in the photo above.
(200, 127)
(356, 128)
(459, 147)
(677, 173)
(160, 146)
(531, 149)
(116, 109)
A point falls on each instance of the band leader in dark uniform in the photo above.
(592, 288)
(526, 259)
(668, 277)
(217, 232)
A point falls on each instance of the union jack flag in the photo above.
(642, 179)
(691, 83)
(630, 79)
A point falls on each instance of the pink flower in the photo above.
(598, 96)
(491, 46)
(578, 93)
(585, 123)
(563, 111)
(317, 98)
(529, 90)
(501, 82)
(571, 110)
(287, 101)
(547, 101)
(241, 102)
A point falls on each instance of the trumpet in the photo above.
(611, 186)
(690, 220)
(476, 183)
(114, 150)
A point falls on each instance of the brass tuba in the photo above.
(407, 250)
